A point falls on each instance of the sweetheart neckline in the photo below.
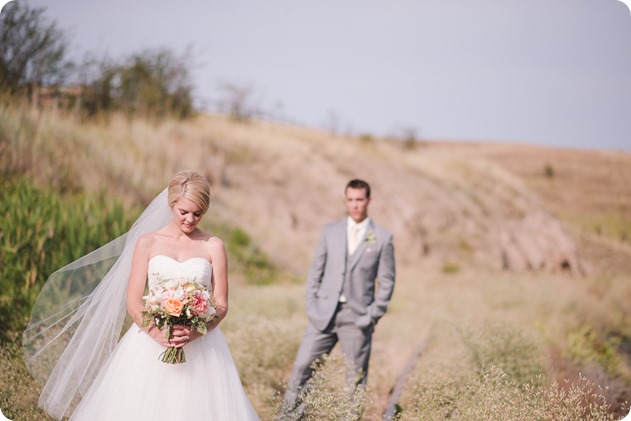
(177, 261)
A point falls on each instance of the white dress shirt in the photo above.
(359, 230)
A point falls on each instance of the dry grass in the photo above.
(589, 189)
(514, 323)
(492, 395)
(442, 201)
(20, 392)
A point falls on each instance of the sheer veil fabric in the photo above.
(78, 317)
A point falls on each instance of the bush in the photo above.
(586, 346)
(151, 83)
(548, 171)
(245, 257)
(40, 232)
(451, 268)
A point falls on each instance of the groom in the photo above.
(348, 290)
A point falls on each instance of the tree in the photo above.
(32, 50)
(237, 101)
(156, 82)
(153, 82)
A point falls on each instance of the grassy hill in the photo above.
(513, 259)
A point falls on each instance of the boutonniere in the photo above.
(371, 237)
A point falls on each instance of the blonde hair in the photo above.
(192, 186)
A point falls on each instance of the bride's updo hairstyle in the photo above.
(192, 186)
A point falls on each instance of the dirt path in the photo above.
(395, 393)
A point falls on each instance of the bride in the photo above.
(74, 347)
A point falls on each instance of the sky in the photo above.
(546, 72)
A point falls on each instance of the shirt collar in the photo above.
(351, 223)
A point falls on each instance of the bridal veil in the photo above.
(78, 316)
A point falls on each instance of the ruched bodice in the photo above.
(165, 267)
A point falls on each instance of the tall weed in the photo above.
(507, 347)
(40, 232)
(492, 395)
(586, 346)
(505, 378)
(330, 395)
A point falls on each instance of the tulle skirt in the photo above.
(136, 385)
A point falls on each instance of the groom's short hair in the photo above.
(358, 184)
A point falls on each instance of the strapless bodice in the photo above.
(164, 267)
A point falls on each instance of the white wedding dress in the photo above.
(135, 385)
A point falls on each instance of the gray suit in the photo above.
(366, 278)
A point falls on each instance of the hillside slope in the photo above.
(468, 208)
(448, 205)
(445, 206)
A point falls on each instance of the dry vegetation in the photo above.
(519, 273)
(590, 190)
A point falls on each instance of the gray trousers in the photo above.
(354, 341)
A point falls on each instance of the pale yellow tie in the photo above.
(352, 242)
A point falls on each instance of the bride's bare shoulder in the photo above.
(149, 239)
(144, 244)
(214, 242)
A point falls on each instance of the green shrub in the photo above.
(586, 346)
(366, 138)
(451, 268)
(245, 257)
(42, 231)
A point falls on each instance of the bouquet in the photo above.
(177, 301)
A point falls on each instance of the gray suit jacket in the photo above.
(371, 275)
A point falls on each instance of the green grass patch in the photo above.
(246, 257)
(586, 346)
(42, 231)
(451, 268)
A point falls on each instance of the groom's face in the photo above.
(357, 204)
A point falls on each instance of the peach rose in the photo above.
(174, 306)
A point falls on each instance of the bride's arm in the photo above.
(219, 260)
(136, 289)
(219, 280)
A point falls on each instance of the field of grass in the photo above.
(527, 345)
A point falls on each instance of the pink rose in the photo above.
(199, 305)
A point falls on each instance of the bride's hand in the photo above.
(181, 335)
(159, 335)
